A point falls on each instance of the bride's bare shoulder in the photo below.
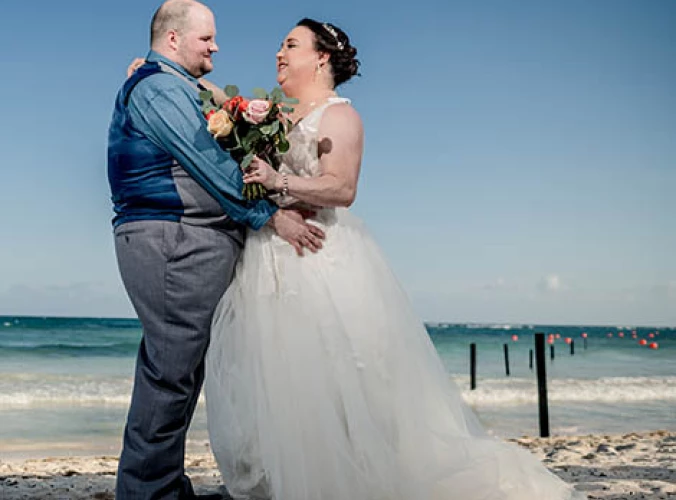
(341, 114)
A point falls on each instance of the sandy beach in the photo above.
(610, 467)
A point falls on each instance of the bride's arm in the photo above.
(340, 148)
(219, 95)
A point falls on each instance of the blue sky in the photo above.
(520, 157)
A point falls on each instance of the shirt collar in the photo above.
(157, 57)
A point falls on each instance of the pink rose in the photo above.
(257, 111)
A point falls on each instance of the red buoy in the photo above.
(642, 342)
(515, 337)
(653, 345)
(568, 340)
(584, 335)
(651, 335)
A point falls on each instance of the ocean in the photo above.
(65, 382)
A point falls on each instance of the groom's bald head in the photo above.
(184, 32)
(172, 15)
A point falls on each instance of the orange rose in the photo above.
(219, 124)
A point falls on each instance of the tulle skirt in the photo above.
(322, 384)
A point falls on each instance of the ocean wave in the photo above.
(495, 392)
(26, 390)
(73, 349)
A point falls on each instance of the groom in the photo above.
(179, 229)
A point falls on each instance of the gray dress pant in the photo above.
(175, 275)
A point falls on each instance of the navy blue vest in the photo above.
(139, 172)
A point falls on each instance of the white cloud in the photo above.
(550, 283)
(498, 284)
(671, 290)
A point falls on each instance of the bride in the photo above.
(322, 384)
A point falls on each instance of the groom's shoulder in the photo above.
(158, 84)
(159, 81)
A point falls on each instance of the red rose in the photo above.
(236, 106)
(208, 115)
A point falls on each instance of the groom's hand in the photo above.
(291, 227)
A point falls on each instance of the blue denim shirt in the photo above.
(167, 110)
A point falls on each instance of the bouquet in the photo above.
(250, 127)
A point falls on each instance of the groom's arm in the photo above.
(169, 113)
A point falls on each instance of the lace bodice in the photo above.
(302, 158)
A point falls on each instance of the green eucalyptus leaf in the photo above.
(246, 161)
(260, 93)
(231, 91)
(287, 109)
(283, 146)
(277, 95)
(290, 100)
(266, 129)
(274, 127)
(206, 95)
(251, 137)
(207, 108)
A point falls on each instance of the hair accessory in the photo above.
(334, 34)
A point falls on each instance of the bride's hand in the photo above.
(135, 64)
(259, 171)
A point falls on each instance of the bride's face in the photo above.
(297, 60)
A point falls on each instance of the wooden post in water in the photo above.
(472, 366)
(542, 383)
(506, 349)
(572, 347)
(530, 359)
(551, 352)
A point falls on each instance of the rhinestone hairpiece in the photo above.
(334, 34)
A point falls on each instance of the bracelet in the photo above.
(285, 185)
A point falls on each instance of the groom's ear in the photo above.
(172, 39)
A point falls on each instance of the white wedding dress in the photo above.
(322, 383)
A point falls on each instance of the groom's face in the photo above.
(197, 43)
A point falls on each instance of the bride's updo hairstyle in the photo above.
(334, 41)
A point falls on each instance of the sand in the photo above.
(631, 466)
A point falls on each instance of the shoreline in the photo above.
(640, 465)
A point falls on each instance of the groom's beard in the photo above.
(197, 67)
(206, 67)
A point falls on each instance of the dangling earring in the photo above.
(318, 72)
